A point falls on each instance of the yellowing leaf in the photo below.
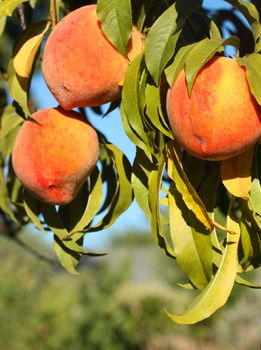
(24, 59)
(7, 7)
(236, 174)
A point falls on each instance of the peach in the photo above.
(221, 118)
(54, 153)
(80, 66)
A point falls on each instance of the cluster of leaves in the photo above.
(208, 220)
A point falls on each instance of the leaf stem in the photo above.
(53, 13)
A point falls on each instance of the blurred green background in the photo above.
(116, 304)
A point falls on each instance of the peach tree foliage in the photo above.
(205, 215)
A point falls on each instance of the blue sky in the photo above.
(111, 125)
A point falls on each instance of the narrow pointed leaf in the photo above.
(164, 34)
(115, 17)
(191, 246)
(219, 288)
(201, 53)
(189, 195)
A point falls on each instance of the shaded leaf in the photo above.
(27, 49)
(155, 186)
(252, 16)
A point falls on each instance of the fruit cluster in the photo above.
(218, 120)
(82, 69)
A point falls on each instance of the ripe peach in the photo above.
(80, 66)
(54, 154)
(221, 118)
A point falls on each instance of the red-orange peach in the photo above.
(221, 118)
(80, 66)
(54, 153)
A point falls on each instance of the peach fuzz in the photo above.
(221, 118)
(80, 66)
(54, 153)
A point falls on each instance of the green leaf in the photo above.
(116, 22)
(252, 63)
(131, 110)
(2, 25)
(67, 258)
(153, 109)
(93, 203)
(142, 166)
(252, 16)
(173, 70)
(155, 186)
(18, 88)
(32, 209)
(250, 244)
(164, 34)
(8, 6)
(242, 281)
(5, 204)
(9, 126)
(219, 288)
(201, 53)
(123, 195)
(189, 195)
(53, 220)
(192, 243)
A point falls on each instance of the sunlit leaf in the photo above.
(236, 174)
(123, 195)
(131, 111)
(252, 63)
(201, 53)
(164, 34)
(93, 203)
(115, 17)
(32, 209)
(10, 124)
(192, 243)
(8, 6)
(27, 49)
(189, 195)
(173, 70)
(2, 25)
(219, 288)
(67, 258)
